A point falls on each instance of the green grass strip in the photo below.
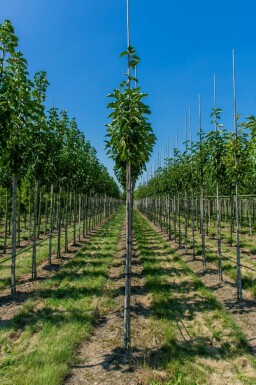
(38, 345)
(195, 332)
(24, 262)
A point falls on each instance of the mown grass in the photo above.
(229, 267)
(24, 260)
(196, 335)
(38, 344)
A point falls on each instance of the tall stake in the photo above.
(127, 299)
(59, 225)
(13, 265)
(186, 197)
(217, 187)
(74, 218)
(128, 25)
(201, 188)
(5, 222)
(34, 272)
(51, 227)
(238, 257)
(66, 223)
(192, 189)
(18, 229)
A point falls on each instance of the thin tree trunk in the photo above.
(241, 214)
(9, 226)
(179, 224)
(238, 256)
(6, 221)
(253, 212)
(87, 214)
(169, 218)
(202, 227)
(104, 207)
(160, 213)
(186, 219)
(66, 225)
(54, 211)
(51, 228)
(84, 215)
(174, 219)
(46, 214)
(18, 230)
(25, 218)
(94, 200)
(74, 223)
(193, 223)
(29, 218)
(225, 210)
(219, 233)
(13, 265)
(79, 218)
(197, 215)
(207, 216)
(34, 272)
(231, 220)
(39, 214)
(59, 225)
(127, 299)
(250, 218)
(70, 208)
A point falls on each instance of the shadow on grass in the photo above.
(82, 277)
(18, 298)
(160, 358)
(5, 281)
(53, 267)
(175, 301)
(242, 307)
(69, 291)
(33, 319)
(166, 305)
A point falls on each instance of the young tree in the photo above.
(130, 142)
(16, 110)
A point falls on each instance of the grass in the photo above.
(38, 344)
(229, 268)
(180, 381)
(197, 338)
(24, 260)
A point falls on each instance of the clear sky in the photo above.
(181, 45)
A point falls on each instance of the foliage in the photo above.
(219, 157)
(35, 145)
(130, 136)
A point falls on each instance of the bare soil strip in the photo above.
(244, 312)
(102, 359)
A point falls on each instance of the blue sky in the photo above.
(181, 45)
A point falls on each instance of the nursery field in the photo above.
(147, 277)
(67, 328)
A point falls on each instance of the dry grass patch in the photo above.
(59, 314)
(195, 341)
